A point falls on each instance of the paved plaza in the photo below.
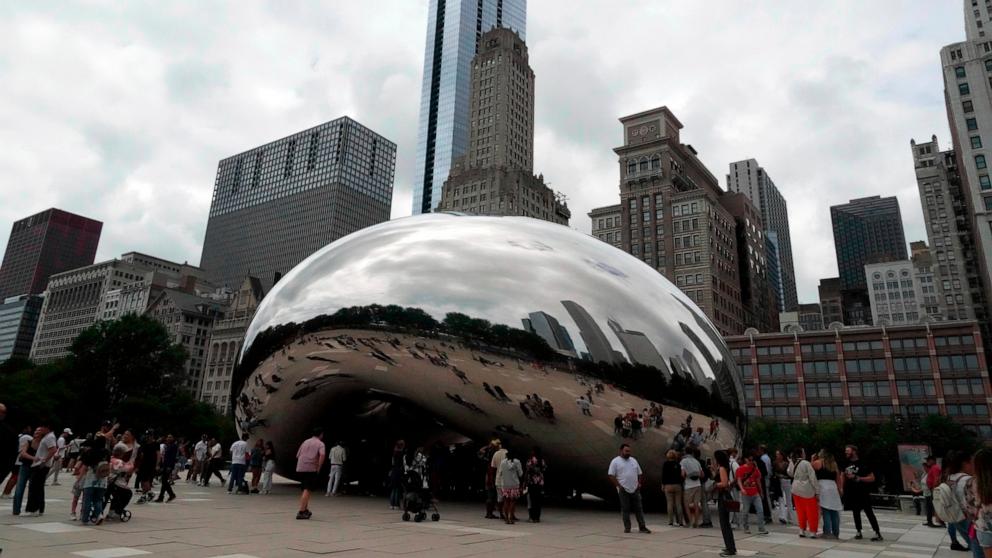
(208, 522)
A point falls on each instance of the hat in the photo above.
(67, 431)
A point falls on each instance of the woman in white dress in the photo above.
(828, 477)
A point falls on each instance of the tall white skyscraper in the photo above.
(454, 28)
(967, 68)
(748, 178)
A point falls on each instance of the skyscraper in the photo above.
(18, 322)
(672, 218)
(750, 179)
(454, 29)
(758, 291)
(275, 205)
(44, 244)
(496, 175)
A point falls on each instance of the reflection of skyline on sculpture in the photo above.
(446, 327)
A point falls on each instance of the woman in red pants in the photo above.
(805, 490)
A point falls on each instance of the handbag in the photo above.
(732, 506)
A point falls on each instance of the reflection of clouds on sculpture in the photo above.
(497, 268)
(484, 327)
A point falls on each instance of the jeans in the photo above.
(831, 522)
(785, 505)
(725, 529)
(928, 504)
(237, 476)
(334, 480)
(976, 549)
(628, 501)
(759, 511)
(166, 481)
(36, 490)
(952, 530)
(22, 482)
(92, 504)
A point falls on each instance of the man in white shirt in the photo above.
(215, 458)
(62, 443)
(337, 458)
(626, 475)
(239, 463)
(692, 473)
(197, 468)
(44, 457)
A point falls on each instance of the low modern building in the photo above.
(224, 345)
(18, 322)
(606, 224)
(867, 374)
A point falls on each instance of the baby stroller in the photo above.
(417, 500)
(116, 501)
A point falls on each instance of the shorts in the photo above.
(309, 481)
(693, 495)
(145, 475)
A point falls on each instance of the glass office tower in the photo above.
(453, 31)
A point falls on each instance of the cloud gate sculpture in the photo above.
(447, 327)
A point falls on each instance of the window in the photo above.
(988, 65)
(959, 70)
(968, 106)
(984, 182)
(971, 123)
(976, 142)
(964, 89)
(980, 162)
(631, 169)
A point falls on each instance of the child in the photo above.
(94, 485)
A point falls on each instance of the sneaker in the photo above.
(957, 546)
(56, 484)
(644, 530)
(858, 536)
(726, 552)
(763, 531)
(72, 516)
(782, 521)
(812, 536)
(802, 534)
(877, 538)
(171, 498)
(302, 515)
(626, 530)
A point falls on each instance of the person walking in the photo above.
(626, 476)
(724, 499)
(196, 470)
(534, 481)
(27, 446)
(859, 477)
(215, 460)
(782, 474)
(692, 475)
(510, 476)
(749, 483)
(170, 455)
(829, 479)
(671, 482)
(309, 460)
(239, 464)
(805, 489)
(337, 456)
(44, 459)
(255, 462)
(933, 479)
(62, 445)
(268, 466)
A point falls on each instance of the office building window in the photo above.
(971, 123)
(968, 106)
(964, 89)
(976, 142)
(980, 162)
(984, 181)
(959, 70)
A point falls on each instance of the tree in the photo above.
(128, 357)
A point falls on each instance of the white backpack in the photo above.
(946, 504)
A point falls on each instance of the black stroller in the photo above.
(417, 500)
(116, 501)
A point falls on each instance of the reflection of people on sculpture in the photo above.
(524, 407)
(584, 405)
(461, 375)
(501, 393)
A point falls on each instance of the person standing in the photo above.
(782, 469)
(9, 442)
(931, 479)
(309, 460)
(749, 483)
(859, 477)
(829, 479)
(255, 461)
(494, 464)
(764, 464)
(239, 464)
(724, 482)
(147, 463)
(337, 457)
(27, 445)
(170, 455)
(196, 470)
(805, 489)
(626, 476)
(486, 456)
(534, 475)
(268, 466)
(44, 459)
(510, 474)
(397, 467)
(671, 482)
(62, 444)
(692, 475)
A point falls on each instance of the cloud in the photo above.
(121, 111)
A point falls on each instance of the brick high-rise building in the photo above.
(868, 374)
(495, 176)
(606, 224)
(750, 179)
(44, 244)
(454, 35)
(758, 299)
(672, 217)
(275, 205)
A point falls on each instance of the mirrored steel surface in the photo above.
(446, 325)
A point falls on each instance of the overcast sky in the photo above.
(121, 110)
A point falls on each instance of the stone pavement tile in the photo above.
(904, 554)
(112, 552)
(52, 527)
(833, 553)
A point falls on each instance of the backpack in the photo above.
(945, 504)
